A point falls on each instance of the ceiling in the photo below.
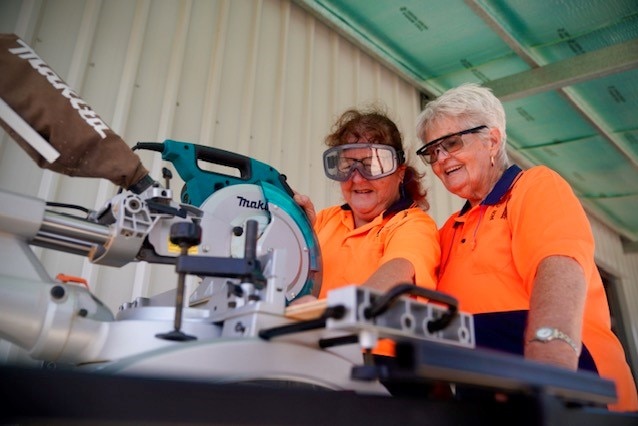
(566, 71)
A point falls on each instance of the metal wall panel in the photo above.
(259, 77)
(624, 268)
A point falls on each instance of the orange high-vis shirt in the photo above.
(490, 254)
(351, 255)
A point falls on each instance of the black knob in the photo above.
(186, 234)
(57, 292)
(166, 173)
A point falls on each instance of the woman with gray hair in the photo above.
(519, 255)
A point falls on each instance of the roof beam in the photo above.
(587, 66)
(602, 62)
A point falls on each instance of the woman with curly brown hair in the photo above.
(381, 236)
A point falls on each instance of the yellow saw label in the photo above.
(174, 248)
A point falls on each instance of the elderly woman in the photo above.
(381, 236)
(519, 255)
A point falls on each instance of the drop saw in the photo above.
(253, 251)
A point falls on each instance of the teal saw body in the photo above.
(262, 193)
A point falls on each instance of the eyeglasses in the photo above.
(373, 161)
(452, 143)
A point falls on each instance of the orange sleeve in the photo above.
(547, 219)
(413, 235)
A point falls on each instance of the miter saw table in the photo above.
(527, 396)
(235, 351)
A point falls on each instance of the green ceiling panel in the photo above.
(619, 94)
(557, 29)
(544, 119)
(620, 213)
(481, 73)
(567, 71)
(435, 39)
(570, 44)
(629, 141)
(595, 169)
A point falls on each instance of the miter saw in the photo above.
(253, 251)
(249, 249)
(254, 192)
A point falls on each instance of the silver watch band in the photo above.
(547, 334)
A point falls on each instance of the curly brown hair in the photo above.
(378, 128)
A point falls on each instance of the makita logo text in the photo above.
(244, 202)
(87, 114)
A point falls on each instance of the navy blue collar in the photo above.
(500, 189)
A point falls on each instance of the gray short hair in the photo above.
(471, 103)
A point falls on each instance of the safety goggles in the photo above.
(452, 143)
(373, 161)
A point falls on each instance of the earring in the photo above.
(492, 160)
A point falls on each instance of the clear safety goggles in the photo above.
(373, 161)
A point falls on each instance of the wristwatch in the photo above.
(547, 334)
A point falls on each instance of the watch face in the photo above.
(543, 333)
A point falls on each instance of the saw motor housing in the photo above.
(227, 202)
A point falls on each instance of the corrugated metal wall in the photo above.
(258, 77)
(261, 78)
(624, 268)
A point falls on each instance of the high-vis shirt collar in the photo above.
(402, 203)
(500, 189)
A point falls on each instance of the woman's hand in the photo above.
(303, 299)
(306, 204)
(393, 272)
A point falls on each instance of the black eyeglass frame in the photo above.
(421, 151)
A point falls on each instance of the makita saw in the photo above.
(244, 190)
(252, 250)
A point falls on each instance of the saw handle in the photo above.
(225, 158)
(240, 162)
(202, 183)
(244, 164)
(174, 151)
